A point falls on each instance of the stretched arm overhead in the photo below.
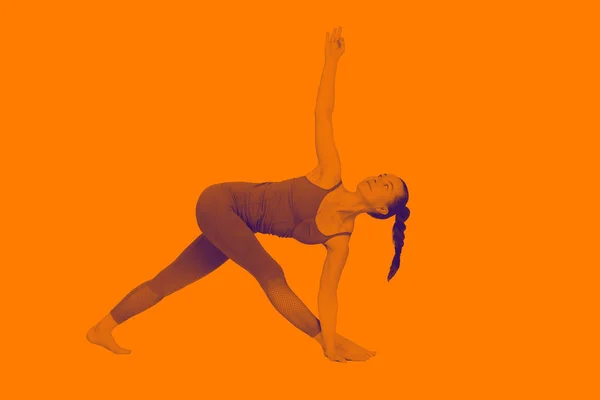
(329, 165)
(337, 253)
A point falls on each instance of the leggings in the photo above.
(224, 236)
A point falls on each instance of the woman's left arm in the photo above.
(329, 167)
(337, 253)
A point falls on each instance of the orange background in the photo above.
(117, 116)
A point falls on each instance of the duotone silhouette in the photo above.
(314, 209)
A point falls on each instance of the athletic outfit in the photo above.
(229, 214)
(286, 209)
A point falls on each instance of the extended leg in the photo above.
(199, 259)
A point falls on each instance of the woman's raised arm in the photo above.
(334, 49)
(329, 165)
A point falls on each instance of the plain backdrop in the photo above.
(117, 115)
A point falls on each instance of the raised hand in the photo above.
(334, 45)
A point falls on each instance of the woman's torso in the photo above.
(288, 208)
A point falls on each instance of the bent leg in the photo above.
(230, 234)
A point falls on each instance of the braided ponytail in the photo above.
(398, 239)
(398, 208)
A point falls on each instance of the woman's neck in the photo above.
(347, 204)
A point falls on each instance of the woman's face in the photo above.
(381, 190)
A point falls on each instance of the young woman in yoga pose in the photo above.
(313, 209)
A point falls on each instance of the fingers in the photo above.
(337, 358)
(338, 34)
(338, 39)
(335, 39)
(335, 36)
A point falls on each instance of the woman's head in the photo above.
(387, 196)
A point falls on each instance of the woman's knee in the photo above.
(163, 289)
(156, 287)
(271, 276)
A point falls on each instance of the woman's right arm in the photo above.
(337, 254)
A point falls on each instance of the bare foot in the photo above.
(350, 350)
(347, 355)
(353, 349)
(105, 339)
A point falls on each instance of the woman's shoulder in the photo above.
(323, 180)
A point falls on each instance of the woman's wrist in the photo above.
(324, 344)
(329, 340)
(332, 61)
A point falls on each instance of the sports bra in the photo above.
(285, 208)
(306, 231)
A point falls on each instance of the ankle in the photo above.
(107, 323)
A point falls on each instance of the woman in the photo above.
(314, 209)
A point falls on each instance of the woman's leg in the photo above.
(230, 234)
(199, 259)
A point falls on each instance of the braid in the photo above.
(398, 239)
(397, 208)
